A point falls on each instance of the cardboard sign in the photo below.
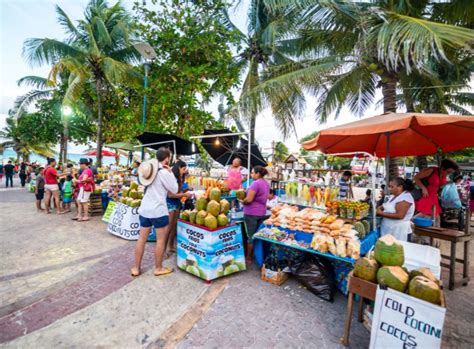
(108, 211)
(403, 321)
(210, 254)
(124, 222)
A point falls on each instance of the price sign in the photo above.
(108, 211)
(402, 321)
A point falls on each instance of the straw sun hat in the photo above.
(147, 171)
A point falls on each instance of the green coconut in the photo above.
(133, 185)
(426, 272)
(200, 217)
(366, 269)
(425, 289)
(192, 216)
(393, 277)
(366, 226)
(233, 268)
(215, 194)
(133, 194)
(225, 206)
(240, 265)
(135, 203)
(222, 220)
(201, 204)
(185, 215)
(125, 191)
(240, 194)
(192, 269)
(213, 208)
(388, 251)
(359, 227)
(129, 201)
(210, 221)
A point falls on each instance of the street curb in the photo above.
(177, 331)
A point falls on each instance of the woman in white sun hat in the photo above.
(158, 179)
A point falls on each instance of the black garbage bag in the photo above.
(317, 274)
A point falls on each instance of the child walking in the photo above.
(67, 193)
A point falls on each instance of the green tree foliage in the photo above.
(29, 134)
(281, 152)
(194, 64)
(97, 53)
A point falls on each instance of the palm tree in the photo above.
(280, 152)
(348, 50)
(260, 51)
(98, 52)
(13, 137)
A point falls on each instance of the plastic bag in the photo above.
(450, 196)
(317, 274)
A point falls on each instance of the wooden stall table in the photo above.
(454, 237)
(365, 290)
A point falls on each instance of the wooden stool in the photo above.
(364, 289)
(452, 236)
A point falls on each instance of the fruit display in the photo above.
(210, 213)
(206, 183)
(348, 209)
(282, 236)
(132, 196)
(385, 267)
(311, 195)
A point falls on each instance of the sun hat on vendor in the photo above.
(147, 171)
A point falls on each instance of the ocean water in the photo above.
(9, 153)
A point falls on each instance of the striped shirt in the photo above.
(343, 188)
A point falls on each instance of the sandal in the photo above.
(134, 272)
(166, 270)
(75, 218)
(83, 220)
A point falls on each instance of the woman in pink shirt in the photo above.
(86, 187)
(255, 206)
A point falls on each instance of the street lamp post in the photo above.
(147, 52)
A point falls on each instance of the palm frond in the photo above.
(22, 102)
(40, 51)
(412, 42)
(67, 24)
(35, 81)
(116, 71)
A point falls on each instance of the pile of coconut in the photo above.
(385, 266)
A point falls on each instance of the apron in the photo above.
(399, 228)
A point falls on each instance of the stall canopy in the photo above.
(122, 145)
(398, 134)
(104, 153)
(157, 140)
(224, 149)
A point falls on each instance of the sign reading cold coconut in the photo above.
(124, 222)
(210, 254)
(403, 321)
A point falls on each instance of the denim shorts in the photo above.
(173, 204)
(159, 222)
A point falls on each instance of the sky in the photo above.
(23, 19)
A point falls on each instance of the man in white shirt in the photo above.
(156, 175)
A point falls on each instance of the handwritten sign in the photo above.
(124, 222)
(402, 321)
(108, 211)
(210, 254)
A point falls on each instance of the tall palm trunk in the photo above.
(61, 149)
(390, 105)
(98, 86)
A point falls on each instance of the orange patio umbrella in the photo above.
(397, 134)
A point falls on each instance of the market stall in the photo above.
(207, 245)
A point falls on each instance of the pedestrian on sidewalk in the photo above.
(39, 191)
(158, 179)
(22, 174)
(9, 171)
(86, 187)
(51, 186)
(67, 194)
(1, 171)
